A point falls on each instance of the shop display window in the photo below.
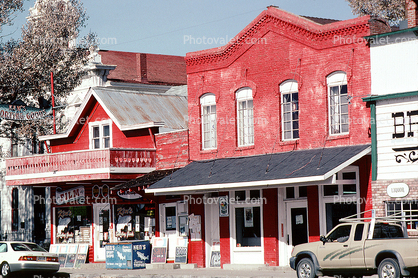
(73, 224)
(134, 222)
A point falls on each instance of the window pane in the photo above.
(349, 176)
(254, 194)
(248, 228)
(96, 132)
(240, 195)
(349, 189)
(303, 191)
(330, 190)
(96, 143)
(106, 143)
(106, 131)
(170, 215)
(290, 192)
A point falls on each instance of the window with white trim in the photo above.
(208, 104)
(408, 208)
(100, 135)
(338, 103)
(290, 110)
(245, 115)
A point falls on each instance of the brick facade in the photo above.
(275, 47)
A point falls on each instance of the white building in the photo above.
(394, 108)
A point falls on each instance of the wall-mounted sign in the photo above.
(22, 112)
(129, 195)
(70, 195)
(397, 190)
(223, 206)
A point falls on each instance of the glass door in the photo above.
(101, 226)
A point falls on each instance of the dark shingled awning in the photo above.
(263, 170)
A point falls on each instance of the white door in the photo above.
(101, 224)
(297, 224)
(212, 233)
(246, 224)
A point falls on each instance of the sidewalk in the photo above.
(167, 271)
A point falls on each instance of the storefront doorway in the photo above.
(101, 220)
(297, 223)
(212, 233)
(246, 225)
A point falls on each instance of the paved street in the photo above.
(94, 270)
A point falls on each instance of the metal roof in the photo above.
(133, 110)
(284, 168)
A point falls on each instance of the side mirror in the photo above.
(323, 239)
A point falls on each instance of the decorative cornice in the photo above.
(292, 26)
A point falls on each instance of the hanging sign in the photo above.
(22, 112)
(70, 195)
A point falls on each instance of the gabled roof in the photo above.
(133, 110)
(311, 166)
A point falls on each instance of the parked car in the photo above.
(358, 249)
(17, 256)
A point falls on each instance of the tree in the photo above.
(49, 43)
(391, 10)
(7, 8)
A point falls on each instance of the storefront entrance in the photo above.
(101, 221)
(297, 223)
(212, 233)
(246, 224)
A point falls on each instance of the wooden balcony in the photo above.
(79, 166)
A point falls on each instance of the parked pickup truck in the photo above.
(357, 249)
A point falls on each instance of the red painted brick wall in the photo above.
(196, 253)
(225, 237)
(289, 48)
(172, 149)
(313, 213)
(145, 68)
(271, 226)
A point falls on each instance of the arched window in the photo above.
(208, 104)
(245, 115)
(338, 103)
(290, 110)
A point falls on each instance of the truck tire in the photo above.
(305, 269)
(389, 268)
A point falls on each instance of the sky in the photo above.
(177, 27)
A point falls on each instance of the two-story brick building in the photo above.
(279, 139)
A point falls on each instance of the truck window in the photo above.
(359, 232)
(340, 234)
(382, 230)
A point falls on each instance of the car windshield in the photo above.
(35, 247)
(19, 247)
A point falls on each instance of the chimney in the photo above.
(411, 10)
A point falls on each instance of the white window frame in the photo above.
(209, 119)
(100, 124)
(244, 204)
(336, 104)
(289, 87)
(245, 117)
(348, 198)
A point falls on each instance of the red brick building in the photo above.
(279, 139)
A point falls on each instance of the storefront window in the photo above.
(134, 221)
(408, 208)
(248, 226)
(73, 224)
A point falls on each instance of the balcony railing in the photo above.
(114, 160)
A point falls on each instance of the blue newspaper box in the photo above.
(128, 254)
